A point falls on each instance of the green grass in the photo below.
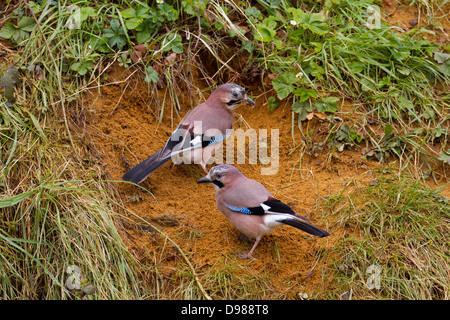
(399, 225)
(57, 210)
(49, 221)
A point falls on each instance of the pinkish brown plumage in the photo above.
(209, 120)
(250, 207)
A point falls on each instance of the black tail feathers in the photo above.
(299, 224)
(141, 171)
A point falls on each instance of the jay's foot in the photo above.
(245, 256)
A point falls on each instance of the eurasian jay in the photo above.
(199, 134)
(250, 207)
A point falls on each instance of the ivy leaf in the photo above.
(284, 84)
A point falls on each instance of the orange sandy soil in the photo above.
(122, 122)
(408, 17)
(124, 128)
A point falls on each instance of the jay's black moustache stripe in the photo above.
(218, 183)
(233, 102)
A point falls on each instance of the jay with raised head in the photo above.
(250, 207)
(199, 133)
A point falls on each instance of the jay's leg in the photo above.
(249, 255)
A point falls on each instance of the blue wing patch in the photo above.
(217, 139)
(257, 211)
(237, 209)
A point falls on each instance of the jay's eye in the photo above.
(219, 176)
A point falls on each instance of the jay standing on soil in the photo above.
(250, 207)
(199, 134)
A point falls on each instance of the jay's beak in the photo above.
(204, 180)
(249, 101)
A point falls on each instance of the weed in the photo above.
(400, 226)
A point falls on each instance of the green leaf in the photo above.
(247, 45)
(26, 24)
(253, 14)
(316, 70)
(18, 33)
(405, 103)
(388, 133)
(169, 13)
(441, 57)
(305, 94)
(302, 108)
(86, 12)
(173, 42)
(428, 113)
(8, 82)
(194, 7)
(263, 33)
(128, 13)
(8, 30)
(368, 85)
(115, 26)
(357, 66)
(318, 46)
(82, 67)
(144, 31)
(116, 41)
(284, 84)
(445, 156)
(273, 103)
(151, 75)
(133, 23)
(316, 24)
(328, 104)
(278, 43)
